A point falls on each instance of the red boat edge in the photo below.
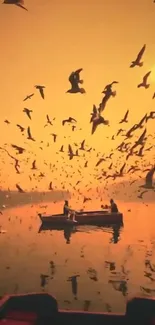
(42, 308)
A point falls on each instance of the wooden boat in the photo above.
(42, 309)
(83, 218)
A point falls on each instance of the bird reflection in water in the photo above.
(120, 285)
(74, 283)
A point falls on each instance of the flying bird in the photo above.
(82, 145)
(54, 136)
(140, 153)
(20, 190)
(144, 82)
(94, 113)
(140, 124)
(41, 90)
(28, 97)
(150, 116)
(62, 149)
(34, 165)
(28, 112)
(19, 149)
(70, 152)
(73, 127)
(18, 3)
(121, 170)
(119, 131)
(97, 121)
(124, 120)
(99, 162)
(141, 139)
(20, 127)
(108, 88)
(29, 134)
(141, 194)
(108, 94)
(138, 59)
(149, 179)
(48, 120)
(75, 80)
(50, 186)
(69, 120)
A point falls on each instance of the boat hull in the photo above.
(42, 308)
(84, 218)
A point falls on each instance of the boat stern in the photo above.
(40, 216)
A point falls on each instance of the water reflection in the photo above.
(113, 262)
(74, 283)
(116, 233)
(69, 230)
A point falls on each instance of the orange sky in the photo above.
(43, 46)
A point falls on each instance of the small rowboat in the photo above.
(83, 218)
(42, 309)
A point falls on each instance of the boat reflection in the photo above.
(68, 230)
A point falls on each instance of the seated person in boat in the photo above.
(68, 212)
(72, 215)
(66, 209)
(113, 206)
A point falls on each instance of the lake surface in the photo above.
(111, 264)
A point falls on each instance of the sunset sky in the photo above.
(43, 46)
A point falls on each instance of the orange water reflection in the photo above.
(108, 273)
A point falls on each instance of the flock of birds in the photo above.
(136, 149)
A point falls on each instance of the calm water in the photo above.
(111, 264)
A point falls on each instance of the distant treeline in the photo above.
(14, 198)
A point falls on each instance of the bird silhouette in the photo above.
(69, 120)
(150, 116)
(121, 170)
(138, 62)
(41, 90)
(99, 162)
(18, 3)
(149, 179)
(28, 97)
(108, 88)
(124, 120)
(70, 152)
(141, 194)
(97, 121)
(20, 127)
(108, 94)
(28, 112)
(19, 149)
(75, 80)
(54, 136)
(20, 190)
(48, 120)
(140, 153)
(29, 134)
(50, 186)
(62, 149)
(82, 145)
(34, 165)
(144, 82)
